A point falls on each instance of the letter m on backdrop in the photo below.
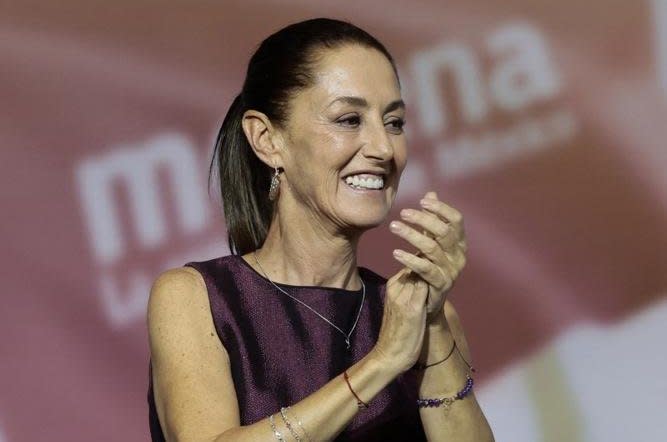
(137, 170)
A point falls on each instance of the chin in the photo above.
(365, 210)
(367, 220)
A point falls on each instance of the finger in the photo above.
(429, 272)
(431, 195)
(426, 245)
(443, 210)
(433, 226)
(398, 276)
(402, 278)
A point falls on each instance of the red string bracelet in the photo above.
(361, 404)
(420, 366)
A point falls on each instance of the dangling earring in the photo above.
(275, 185)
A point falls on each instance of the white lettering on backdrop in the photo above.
(520, 75)
(135, 169)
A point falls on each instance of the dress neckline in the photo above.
(301, 287)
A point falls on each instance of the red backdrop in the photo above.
(542, 122)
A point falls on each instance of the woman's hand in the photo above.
(403, 325)
(441, 245)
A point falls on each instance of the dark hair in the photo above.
(281, 66)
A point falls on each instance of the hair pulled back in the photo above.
(282, 65)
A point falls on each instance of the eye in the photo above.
(396, 125)
(349, 121)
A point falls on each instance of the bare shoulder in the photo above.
(194, 391)
(171, 284)
(178, 302)
(179, 314)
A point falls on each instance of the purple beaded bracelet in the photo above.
(447, 401)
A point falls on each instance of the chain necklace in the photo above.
(347, 335)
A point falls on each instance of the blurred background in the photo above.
(543, 122)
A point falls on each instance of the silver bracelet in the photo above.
(283, 414)
(278, 435)
(298, 422)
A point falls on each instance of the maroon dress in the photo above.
(281, 352)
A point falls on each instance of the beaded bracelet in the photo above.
(361, 404)
(448, 401)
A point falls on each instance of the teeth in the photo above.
(365, 183)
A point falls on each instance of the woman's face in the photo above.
(345, 147)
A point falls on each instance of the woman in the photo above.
(287, 339)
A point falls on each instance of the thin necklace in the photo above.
(347, 335)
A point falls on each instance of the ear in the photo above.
(264, 138)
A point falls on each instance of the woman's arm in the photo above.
(193, 387)
(464, 420)
(440, 258)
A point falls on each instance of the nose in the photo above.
(378, 144)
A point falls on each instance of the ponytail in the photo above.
(244, 184)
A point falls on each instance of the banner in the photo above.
(543, 123)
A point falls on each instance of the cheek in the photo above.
(330, 153)
(401, 157)
(317, 164)
(341, 146)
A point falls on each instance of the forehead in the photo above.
(353, 70)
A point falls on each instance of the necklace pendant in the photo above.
(347, 336)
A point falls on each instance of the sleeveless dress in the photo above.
(281, 352)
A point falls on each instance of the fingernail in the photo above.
(406, 213)
(398, 253)
(426, 202)
(395, 227)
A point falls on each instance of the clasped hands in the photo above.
(441, 248)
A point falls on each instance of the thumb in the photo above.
(419, 293)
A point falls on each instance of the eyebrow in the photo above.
(361, 102)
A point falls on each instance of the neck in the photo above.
(301, 252)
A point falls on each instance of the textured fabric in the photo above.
(281, 352)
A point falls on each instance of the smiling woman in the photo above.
(288, 339)
(344, 125)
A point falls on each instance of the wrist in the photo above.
(445, 378)
(437, 321)
(383, 366)
(438, 343)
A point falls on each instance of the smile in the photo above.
(365, 181)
